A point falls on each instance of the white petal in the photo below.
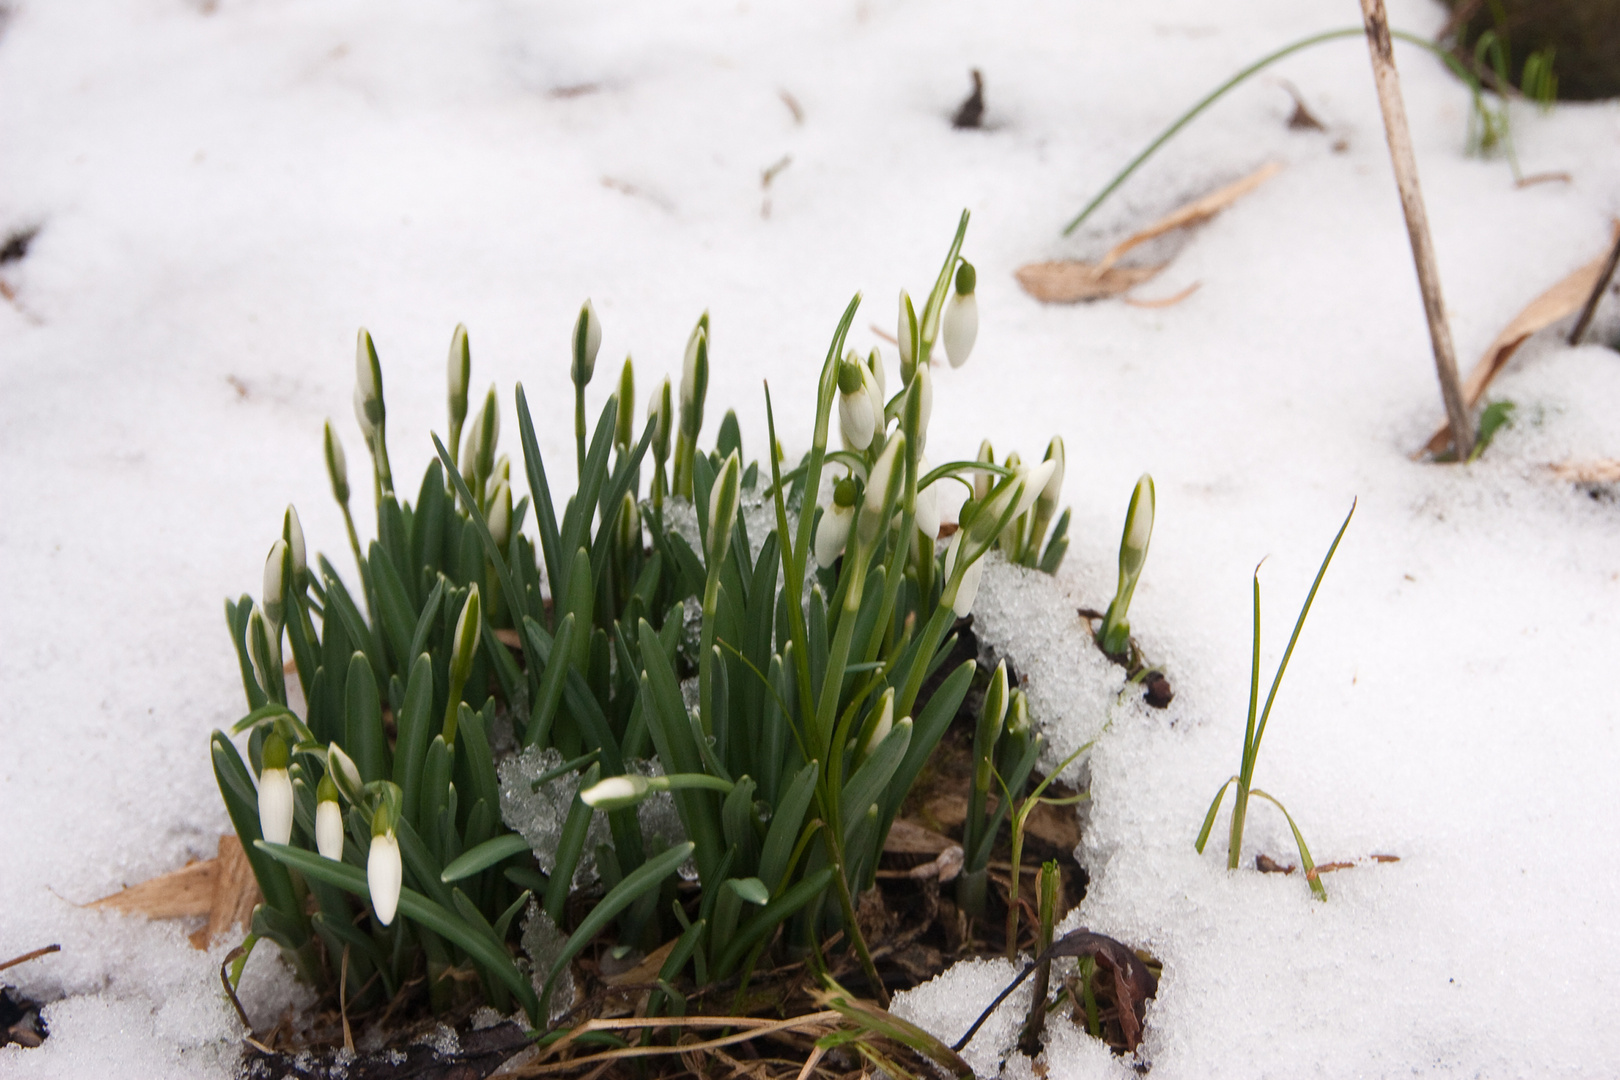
(1035, 478)
(961, 327)
(833, 534)
(275, 805)
(329, 829)
(928, 510)
(384, 876)
(969, 590)
(855, 418)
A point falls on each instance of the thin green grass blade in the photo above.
(1209, 818)
(1311, 875)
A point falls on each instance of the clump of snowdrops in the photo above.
(368, 798)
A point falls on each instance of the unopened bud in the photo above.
(587, 340)
(368, 394)
(337, 466)
(328, 820)
(344, 772)
(874, 363)
(292, 531)
(275, 792)
(616, 793)
(882, 485)
(695, 379)
(906, 337)
(275, 582)
(384, 873)
(659, 410)
(858, 417)
(624, 429)
(723, 498)
(469, 626)
(500, 515)
(458, 375)
(832, 534)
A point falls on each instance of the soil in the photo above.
(1584, 34)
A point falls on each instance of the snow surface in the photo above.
(226, 191)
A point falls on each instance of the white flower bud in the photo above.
(906, 336)
(882, 484)
(275, 565)
(384, 874)
(695, 379)
(469, 628)
(885, 723)
(968, 590)
(500, 515)
(928, 519)
(832, 534)
(458, 373)
(275, 792)
(337, 466)
(328, 820)
(983, 481)
(368, 400)
(880, 379)
(587, 340)
(723, 498)
(1032, 480)
(615, 793)
(292, 530)
(659, 408)
(925, 410)
(961, 325)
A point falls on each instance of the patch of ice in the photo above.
(543, 943)
(538, 815)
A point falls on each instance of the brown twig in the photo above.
(1604, 277)
(753, 1028)
(27, 956)
(230, 991)
(1417, 223)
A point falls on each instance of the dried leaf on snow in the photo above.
(222, 888)
(1596, 471)
(1067, 281)
(1560, 301)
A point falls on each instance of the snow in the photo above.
(226, 191)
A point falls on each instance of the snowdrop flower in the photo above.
(925, 405)
(882, 485)
(384, 875)
(616, 793)
(884, 724)
(659, 408)
(328, 820)
(695, 379)
(880, 379)
(468, 629)
(1138, 528)
(961, 317)
(487, 432)
(928, 520)
(968, 590)
(858, 416)
(1032, 481)
(587, 340)
(624, 431)
(337, 466)
(832, 534)
(723, 499)
(458, 373)
(500, 515)
(264, 649)
(292, 531)
(983, 481)
(275, 792)
(906, 337)
(342, 769)
(275, 581)
(368, 399)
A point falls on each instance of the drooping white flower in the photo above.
(275, 792)
(328, 820)
(961, 328)
(882, 485)
(832, 534)
(616, 792)
(968, 590)
(858, 416)
(928, 519)
(384, 874)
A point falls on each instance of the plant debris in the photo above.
(467, 1054)
(222, 888)
(20, 1021)
(970, 114)
(1068, 281)
(15, 248)
(1302, 119)
(1558, 302)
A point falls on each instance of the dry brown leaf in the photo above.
(187, 891)
(222, 888)
(1597, 471)
(1197, 211)
(1069, 282)
(1563, 299)
(646, 971)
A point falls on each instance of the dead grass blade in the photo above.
(27, 956)
(815, 1024)
(1558, 302)
(1597, 471)
(1194, 213)
(1067, 281)
(1168, 301)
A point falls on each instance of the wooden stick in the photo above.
(27, 956)
(1604, 277)
(1417, 223)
